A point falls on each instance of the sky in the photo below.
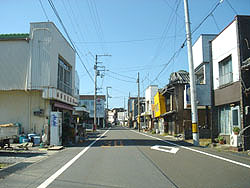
(142, 36)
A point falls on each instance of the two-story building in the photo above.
(37, 73)
(230, 57)
(88, 102)
(150, 92)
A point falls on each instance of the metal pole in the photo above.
(192, 80)
(95, 67)
(107, 96)
(138, 101)
(124, 111)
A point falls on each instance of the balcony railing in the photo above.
(64, 87)
(226, 79)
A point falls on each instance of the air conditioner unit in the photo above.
(235, 140)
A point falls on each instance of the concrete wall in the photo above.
(201, 54)
(47, 44)
(19, 107)
(223, 45)
(13, 64)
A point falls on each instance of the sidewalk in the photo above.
(18, 159)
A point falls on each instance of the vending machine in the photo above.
(56, 128)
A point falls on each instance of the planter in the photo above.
(221, 141)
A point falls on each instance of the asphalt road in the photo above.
(125, 158)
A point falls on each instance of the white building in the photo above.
(149, 101)
(122, 117)
(230, 50)
(37, 73)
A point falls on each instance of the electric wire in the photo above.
(121, 75)
(231, 7)
(120, 79)
(44, 10)
(70, 40)
(76, 28)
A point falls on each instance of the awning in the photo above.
(63, 106)
(168, 113)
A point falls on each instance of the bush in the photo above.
(153, 132)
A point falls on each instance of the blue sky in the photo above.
(141, 35)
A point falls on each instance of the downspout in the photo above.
(212, 92)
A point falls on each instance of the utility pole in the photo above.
(194, 113)
(124, 111)
(139, 111)
(97, 73)
(107, 96)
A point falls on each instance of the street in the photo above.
(120, 157)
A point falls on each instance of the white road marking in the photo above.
(167, 148)
(197, 151)
(47, 182)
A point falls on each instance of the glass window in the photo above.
(64, 81)
(225, 71)
(235, 115)
(200, 76)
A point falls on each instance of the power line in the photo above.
(44, 10)
(124, 41)
(120, 79)
(231, 7)
(65, 30)
(170, 60)
(122, 75)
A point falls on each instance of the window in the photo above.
(225, 71)
(200, 75)
(64, 81)
(235, 117)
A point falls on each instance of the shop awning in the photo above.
(63, 106)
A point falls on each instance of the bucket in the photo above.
(36, 140)
(31, 135)
(22, 138)
(25, 140)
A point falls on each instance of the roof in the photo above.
(180, 77)
(91, 97)
(14, 36)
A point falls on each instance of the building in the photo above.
(160, 109)
(177, 116)
(122, 118)
(88, 102)
(230, 57)
(37, 73)
(110, 117)
(150, 92)
(133, 110)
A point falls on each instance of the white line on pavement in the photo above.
(194, 150)
(47, 182)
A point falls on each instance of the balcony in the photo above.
(226, 79)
